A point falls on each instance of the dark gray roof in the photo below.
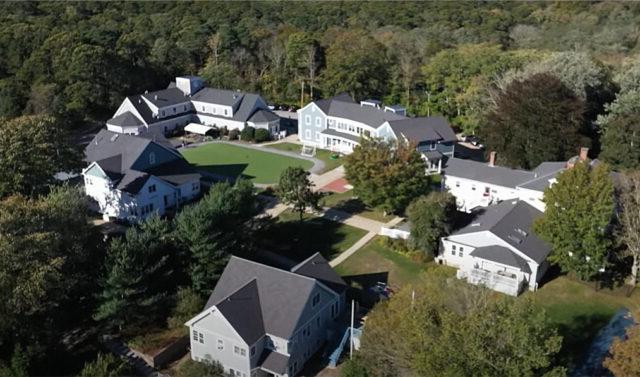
(116, 153)
(166, 97)
(218, 96)
(432, 155)
(274, 362)
(435, 128)
(512, 221)
(316, 267)
(262, 116)
(126, 119)
(283, 294)
(501, 255)
(343, 106)
(242, 310)
(480, 171)
(332, 132)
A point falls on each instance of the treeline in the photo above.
(78, 60)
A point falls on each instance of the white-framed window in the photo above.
(220, 344)
(243, 352)
(236, 350)
(307, 119)
(318, 122)
(473, 188)
(226, 111)
(307, 134)
(198, 337)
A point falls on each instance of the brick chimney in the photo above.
(583, 154)
(492, 158)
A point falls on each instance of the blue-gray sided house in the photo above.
(338, 123)
(131, 177)
(265, 321)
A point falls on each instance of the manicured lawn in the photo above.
(579, 311)
(378, 260)
(346, 202)
(321, 154)
(235, 161)
(299, 240)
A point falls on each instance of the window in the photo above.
(433, 146)
(201, 338)
(236, 349)
(174, 110)
(316, 300)
(220, 344)
(203, 109)
(460, 254)
(473, 188)
(185, 107)
(253, 351)
(461, 248)
(152, 158)
(457, 184)
(225, 111)
(238, 373)
(195, 186)
(307, 134)
(307, 119)
(152, 188)
(318, 122)
(195, 335)
(243, 352)
(162, 112)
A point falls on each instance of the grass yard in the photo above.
(579, 311)
(346, 202)
(298, 240)
(377, 259)
(235, 161)
(321, 154)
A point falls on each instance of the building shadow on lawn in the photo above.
(231, 171)
(360, 287)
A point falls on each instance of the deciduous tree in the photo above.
(576, 222)
(296, 189)
(621, 141)
(623, 360)
(431, 217)
(629, 218)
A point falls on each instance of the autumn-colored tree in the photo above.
(624, 360)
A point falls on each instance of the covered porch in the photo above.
(434, 161)
(338, 141)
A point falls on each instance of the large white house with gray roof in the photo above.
(339, 122)
(186, 101)
(498, 249)
(266, 321)
(131, 177)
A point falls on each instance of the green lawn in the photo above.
(235, 161)
(299, 240)
(376, 258)
(346, 202)
(579, 311)
(321, 154)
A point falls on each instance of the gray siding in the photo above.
(311, 123)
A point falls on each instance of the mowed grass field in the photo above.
(235, 161)
(321, 154)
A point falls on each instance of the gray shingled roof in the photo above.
(432, 155)
(218, 96)
(166, 97)
(512, 221)
(343, 106)
(316, 267)
(283, 294)
(332, 132)
(126, 119)
(242, 310)
(274, 362)
(480, 171)
(435, 128)
(262, 116)
(501, 255)
(116, 153)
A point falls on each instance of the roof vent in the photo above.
(114, 137)
(155, 97)
(515, 239)
(139, 100)
(146, 92)
(475, 224)
(521, 232)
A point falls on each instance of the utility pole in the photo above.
(302, 94)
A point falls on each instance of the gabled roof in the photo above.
(242, 310)
(263, 116)
(512, 221)
(176, 172)
(133, 181)
(218, 96)
(343, 106)
(282, 295)
(126, 119)
(274, 362)
(166, 97)
(316, 267)
(420, 129)
(501, 255)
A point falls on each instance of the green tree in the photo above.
(18, 365)
(32, 150)
(139, 276)
(386, 174)
(247, 133)
(620, 141)
(221, 223)
(629, 219)
(188, 304)
(449, 328)
(192, 368)
(576, 222)
(431, 217)
(105, 365)
(535, 120)
(296, 189)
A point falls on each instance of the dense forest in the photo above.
(78, 60)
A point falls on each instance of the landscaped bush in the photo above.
(248, 133)
(233, 134)
(188, 304)
(224, 131)
(261, 135)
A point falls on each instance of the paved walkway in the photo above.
(292, 139)
(319, 181)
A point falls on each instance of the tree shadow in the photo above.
(577, 336)
(360, 287)
(298, 240)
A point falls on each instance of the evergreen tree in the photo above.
(389, 175)
(576, 222)
(621, 142)
(431, 218)
(106, 365)
(139, 276)
(295, 188)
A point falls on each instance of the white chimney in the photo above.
(492, 158)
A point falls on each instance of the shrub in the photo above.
(188, 304)
(261, 135)
(224, 131)
(190, 368)
(233, 134)
(247, 133)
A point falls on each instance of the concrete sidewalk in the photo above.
(319, 181)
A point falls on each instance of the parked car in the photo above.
(473, 140)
